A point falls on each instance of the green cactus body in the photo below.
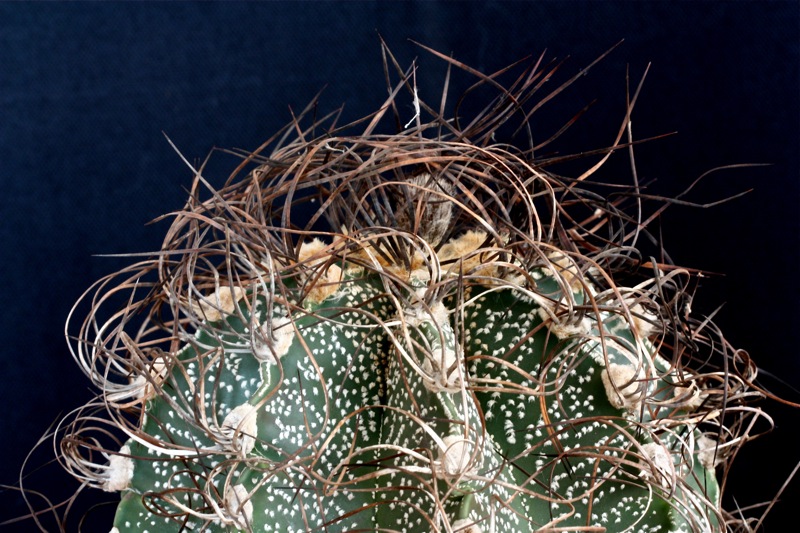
(477, 410)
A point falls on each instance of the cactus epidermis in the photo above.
(457, 405)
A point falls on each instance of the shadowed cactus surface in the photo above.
(420, 331)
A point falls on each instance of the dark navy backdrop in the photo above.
(86, 90)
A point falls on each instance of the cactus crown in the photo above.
(420, 331)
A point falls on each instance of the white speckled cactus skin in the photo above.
(453, 353)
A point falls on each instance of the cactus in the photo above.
(419, 331)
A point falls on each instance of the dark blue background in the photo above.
(86, 90)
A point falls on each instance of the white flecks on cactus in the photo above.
(274, 340)
(120, 471)
(657, 465)
(238, 507)
(240, 427)
(218, 305)
(623, 386)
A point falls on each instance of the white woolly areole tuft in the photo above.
(218, 305)
(659, 466)
(708, 453)
(623, 389)
(310, 249)
(313, 253)
(238, 506)
(327, 284)
(690, 397)
(437, 313)
(471, 253)
(114, 530)
(442, 371)
(241, 427)
(420, 277)
(465, 525)
(139, 387)
(120, 471)
(644, 321)
(144, 388)
(465, 244)
(563, 330)
(456, 458)
(277, 343)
